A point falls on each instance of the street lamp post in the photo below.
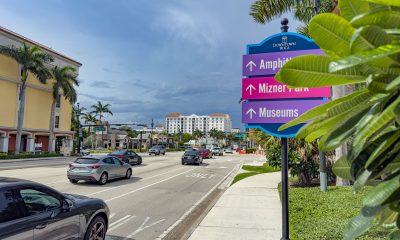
(79, 130)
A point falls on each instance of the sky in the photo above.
(148, 58)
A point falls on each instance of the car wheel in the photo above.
(103, 178)
(139, 162)
(183, 163)
(163, 153)
(96, 230)
(73, 181)
(128, 173)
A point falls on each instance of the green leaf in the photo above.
(313, 71)
(393, 85)
(376, 124)
(365, 57)
(321, 110)
(384, 19)
(388, 216)
(378, 195)
(362, 98)
(386, 145)
(393, 166)
(332, 33)
(350, 8)
(361, 181)
(369, 37)
(381, 83)
(395, 235)
(342, 130)
(386, 2)
(360, 223)
(341, 168)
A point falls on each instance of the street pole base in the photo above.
(284, 238)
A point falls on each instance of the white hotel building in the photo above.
(176, 123)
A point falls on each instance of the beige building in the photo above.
(37, 106)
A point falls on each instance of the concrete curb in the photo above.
(30, 159)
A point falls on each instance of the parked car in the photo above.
(205, 153)
(192, 157)
(127, 156)
(30, 210)
(217, 151)
(228, 150)
(98, 169)
(157, 150)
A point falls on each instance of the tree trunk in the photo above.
(51, 127)
(21, 109)
(340, 91)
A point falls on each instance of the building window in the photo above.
(57, 122)
(58, 101)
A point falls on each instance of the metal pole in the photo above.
(151, 133)
(285, 190)
(284, 170)
(79, 131)
(140, 147)
(323, 178)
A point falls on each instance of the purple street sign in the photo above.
(276, 111)
(270, 63)
(269, 88)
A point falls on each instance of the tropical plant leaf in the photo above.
(377, 123)
(365, 57)
(384, 19)
(349, 8)
(393, 85)
(321, 110)
(360, 223)
(395, 235)
(381, 192)
(341, 168)
(386, 145)
(313, 71)
(369, 37)
(361, 181)
(393, 166)
(386, 2)
(381, 83)
(332, 33)
(339, 107)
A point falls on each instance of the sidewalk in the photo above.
(249, 209)
(33, 159)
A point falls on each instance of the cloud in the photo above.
(100, 84)
(110, 70)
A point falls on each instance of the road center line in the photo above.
(108, 189)
(128, 193)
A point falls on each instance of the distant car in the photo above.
(192, 157)
(157, 150)
(217, 151)
(205, 153)
(228, 150)
(85, 151)
(98, 169)
(127, 156)
(30, 210)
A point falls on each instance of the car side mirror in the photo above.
(66, 205)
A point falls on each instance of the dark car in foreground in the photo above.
(127, 156)
(30, 210)
(98, 169)
(192, 157)
(157, 150)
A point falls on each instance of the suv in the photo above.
(157, 150)
(30, 210)
(217, 151)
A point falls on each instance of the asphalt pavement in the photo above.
(159, 193)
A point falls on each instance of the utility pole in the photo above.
(79, 130)
(151, 133)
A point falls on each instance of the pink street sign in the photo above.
(269, 88)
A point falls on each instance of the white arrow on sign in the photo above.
(251, 64)
(251, 112)
(250, 88)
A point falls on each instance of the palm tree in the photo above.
(90, 118)
(64, 80)
(264, 11)
(31, 60)
(99, 110)
(214, 133)
(197, 134)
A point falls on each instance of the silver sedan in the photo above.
(98, 169)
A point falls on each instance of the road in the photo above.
(160, 192)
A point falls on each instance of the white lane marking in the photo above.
(128, 193)
(126, 219)
(120, 220)
(112, 215)
(200, 175)
(165, 233)
(223, 167)
(143, 227)
(108, 189)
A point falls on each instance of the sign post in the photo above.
(269, 104)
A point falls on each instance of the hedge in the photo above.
(29, 155)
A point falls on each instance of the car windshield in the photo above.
(190, 153)
(118, 152)
(87, 160)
